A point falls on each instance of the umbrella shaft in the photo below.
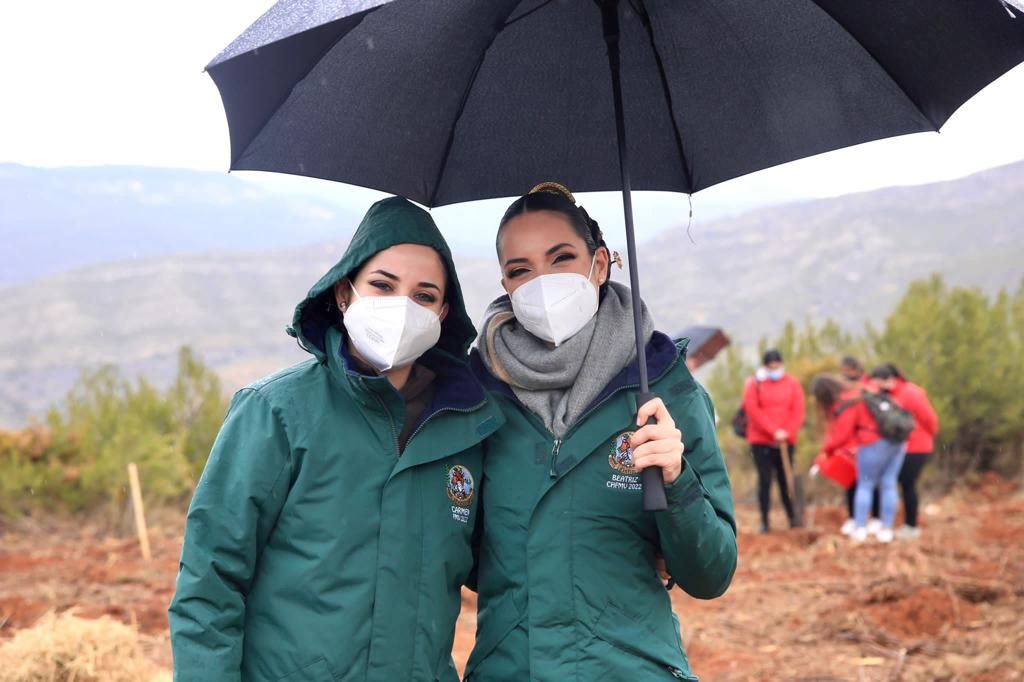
(610, 20)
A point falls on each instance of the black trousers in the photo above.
(769, 461)
(913, 464)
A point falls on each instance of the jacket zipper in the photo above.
(557, 442)
(466, 410)
(554, 457)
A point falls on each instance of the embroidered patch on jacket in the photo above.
(460, 485)
(620, 458)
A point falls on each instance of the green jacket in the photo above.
(567, 583)
(313, 552)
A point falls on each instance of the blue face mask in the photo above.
(776, 374)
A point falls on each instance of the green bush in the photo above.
(963, 347)
(79, 459)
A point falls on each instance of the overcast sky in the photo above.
(122, 82)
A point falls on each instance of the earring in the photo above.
(343, 305)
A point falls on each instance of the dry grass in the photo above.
(65, 648)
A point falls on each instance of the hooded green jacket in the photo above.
(567, 585)
(313, 552)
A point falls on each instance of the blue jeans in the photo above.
(878, 466)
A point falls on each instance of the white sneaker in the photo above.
(874, 526)
(884, 535)
(848, 526)
(859, 535)
(908, 533)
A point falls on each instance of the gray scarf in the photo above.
(558, 384)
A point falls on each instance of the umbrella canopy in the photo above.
(444, 101)
(705, 344)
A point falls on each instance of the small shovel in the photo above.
(794, 486)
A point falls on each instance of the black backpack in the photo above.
(740, 422)
(895, 424)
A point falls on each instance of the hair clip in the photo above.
(617, 259)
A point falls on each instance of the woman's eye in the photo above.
(512, 274)
(428, 299)
(564, 257)
(382, 285)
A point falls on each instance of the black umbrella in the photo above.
(445, 101)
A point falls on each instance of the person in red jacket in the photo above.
(849, 426)
(921, 443)
(774, 404)
(835, 392)
(853, 371)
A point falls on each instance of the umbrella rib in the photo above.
(646, 20)
(458, 116)
(881, 66)
(527, 13)
(273, 112)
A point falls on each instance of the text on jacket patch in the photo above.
(620, 459)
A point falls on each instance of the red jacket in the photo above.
(773, 405)
(913, 398)
(850, 425)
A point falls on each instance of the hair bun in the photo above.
(554, 188)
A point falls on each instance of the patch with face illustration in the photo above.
(460, 488)
(620, 458)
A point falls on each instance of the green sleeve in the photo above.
(698, 530)
(235, 506)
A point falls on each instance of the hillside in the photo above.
(55, 219)
(849, 258)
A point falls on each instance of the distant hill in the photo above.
(848, 258)
(55, 219)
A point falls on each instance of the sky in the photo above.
(122, 82)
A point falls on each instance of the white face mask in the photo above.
(555, 307)
(390, 331)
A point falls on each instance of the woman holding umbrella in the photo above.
(331, 531)
(567, 562)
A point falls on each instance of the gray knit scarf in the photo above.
(558, 384)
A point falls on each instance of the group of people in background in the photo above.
(879, 434)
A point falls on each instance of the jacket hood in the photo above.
(388, 222)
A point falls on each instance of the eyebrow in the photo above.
(396, 278)
(549, 252)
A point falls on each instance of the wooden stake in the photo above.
(139, 511)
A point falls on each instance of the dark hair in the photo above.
(850, 362)
(883, 372)
(771, 355)
(826, 390)
(887, 371)
(555, 200)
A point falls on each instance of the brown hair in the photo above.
(826, 390)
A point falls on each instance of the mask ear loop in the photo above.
(593, 262)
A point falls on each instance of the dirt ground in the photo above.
(805, 605)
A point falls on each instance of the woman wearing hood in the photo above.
(567, 575)
(330, 533)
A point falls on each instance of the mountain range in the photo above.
(184, 280)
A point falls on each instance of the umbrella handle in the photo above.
(650, 478)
